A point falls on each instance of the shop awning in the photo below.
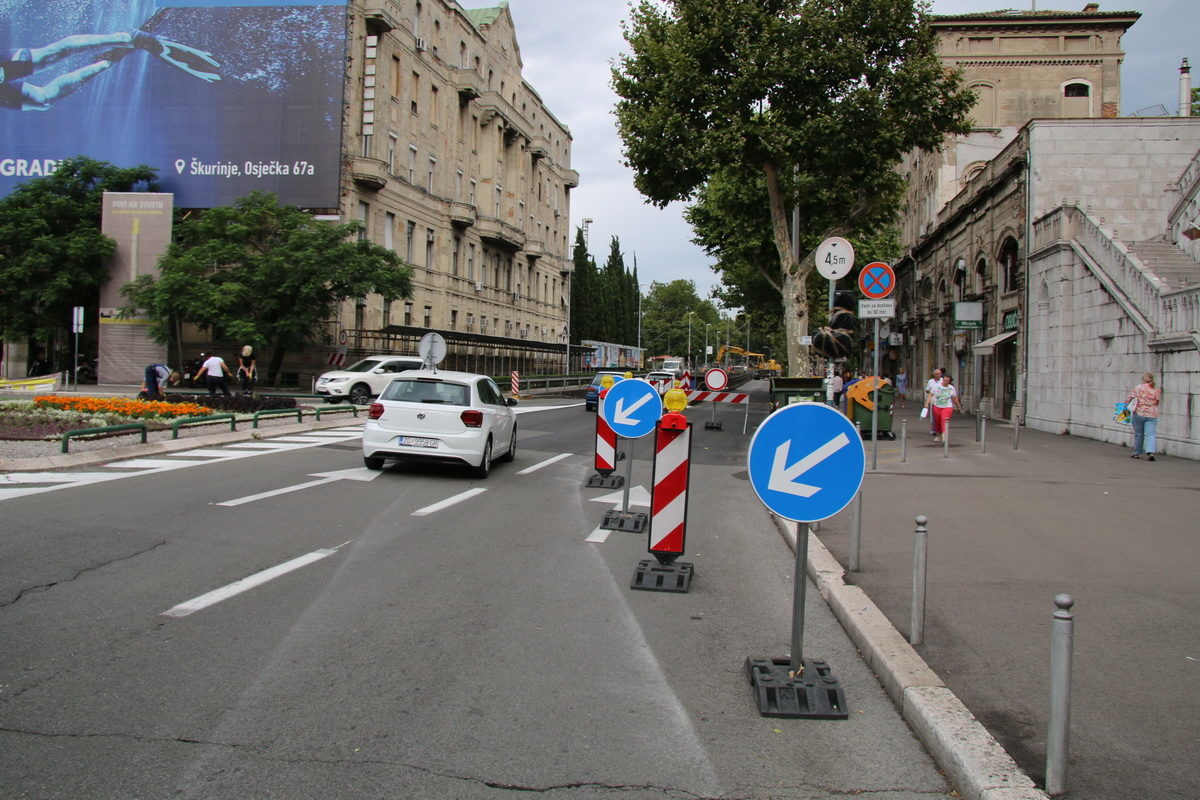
(988, 346)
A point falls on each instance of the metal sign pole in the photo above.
(628, 473)
(801, 586)
(875, 405)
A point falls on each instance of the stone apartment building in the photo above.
(1063, 223)
(452, 160)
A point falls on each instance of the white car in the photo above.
(441, 416)
(361, 381)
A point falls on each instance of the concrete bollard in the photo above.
(916, 634)
(855, 532)
(983, 434)
(1016, 433)
(1062, 633)
(904, 442)
(946, 441)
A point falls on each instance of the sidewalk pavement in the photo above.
(1008, 531)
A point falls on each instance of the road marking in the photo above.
(153, 463)
(599, 535)
(638, 496)
(449, 501)
(246, 584)
(353, 474)
(545, 463)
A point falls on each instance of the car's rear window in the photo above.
(427, 391)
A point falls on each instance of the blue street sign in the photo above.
(632, 407)
(806, 462)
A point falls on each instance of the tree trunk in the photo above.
(794, 290)
(276, 362)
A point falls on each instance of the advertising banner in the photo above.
(223, 97)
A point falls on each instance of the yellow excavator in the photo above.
(755, 361)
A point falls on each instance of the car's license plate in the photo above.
(416, 441)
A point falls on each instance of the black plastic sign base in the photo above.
(606, 482)
(815, 694)
(713, 425)
(615, 520)
(652, 576)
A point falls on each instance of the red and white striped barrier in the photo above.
(718, 397)
(516, 383)
(606, 446)
(685, 383)
(668, 502)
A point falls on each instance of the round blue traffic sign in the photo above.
(806, 462)
(632, 407)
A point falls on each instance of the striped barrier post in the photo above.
(668, 508)
(516, 383)
(606, 452)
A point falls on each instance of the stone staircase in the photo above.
(1171, 265)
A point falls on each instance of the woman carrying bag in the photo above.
(1142, 403)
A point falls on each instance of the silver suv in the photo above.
(361, 381)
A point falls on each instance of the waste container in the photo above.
(860, 400)
(796, 389)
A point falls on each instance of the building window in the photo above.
(412, 163)
(1076, 90)
(474, 187)
(364, 216)
(1010, 265)
(458, 186)
(387, 313)
(409, 231)
(430, 239)
(499, 198)
(393, 143)
(415, 92)
(456, 247)
(454, 319)
(429, 175)
(389, 226)
(408, 313)
(428, 316)
(471, 261)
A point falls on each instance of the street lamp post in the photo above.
(689, 350)
(707, 325)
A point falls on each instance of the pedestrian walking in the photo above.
(835, 383)
(216, 375)
(942, 402)
(1143, 404)
(247, 371)
(934, 382)
(901, 386)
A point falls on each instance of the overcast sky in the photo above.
(567, 55)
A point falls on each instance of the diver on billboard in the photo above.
(19, 63)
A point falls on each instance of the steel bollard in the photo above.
(1016, 434)
(946, 441)
(855, 532)
(916, 634)
(904, 442)
(983, 434)
(1062, 633)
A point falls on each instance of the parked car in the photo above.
(455, 417)
(664, 380)
(365, 379)
(591, 395)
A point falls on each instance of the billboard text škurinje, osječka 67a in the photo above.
(221, 96)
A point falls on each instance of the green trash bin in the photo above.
(860, 413)
(789, 389)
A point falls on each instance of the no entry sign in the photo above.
(876, 280)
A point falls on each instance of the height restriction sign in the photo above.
(876, 280)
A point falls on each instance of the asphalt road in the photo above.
(436, 636)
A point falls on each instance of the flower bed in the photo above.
(120, 407)
(50, 416)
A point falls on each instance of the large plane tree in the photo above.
(817, 100)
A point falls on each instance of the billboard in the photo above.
(221, 96)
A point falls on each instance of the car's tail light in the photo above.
(376, 411)
(472, 418)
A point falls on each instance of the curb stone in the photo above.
(975, 763)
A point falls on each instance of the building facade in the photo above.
(1070, 242)
(453, 161)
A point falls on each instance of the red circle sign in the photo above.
(876, 280)
(716, 379)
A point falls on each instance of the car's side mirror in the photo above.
(378, 371)
(512, 401)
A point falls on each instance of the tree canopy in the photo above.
(604, 302)
(52, 254)
(264, 274)
(797, 105)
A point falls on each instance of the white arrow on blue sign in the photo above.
(806, 462)
(632, 407)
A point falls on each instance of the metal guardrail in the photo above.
(275, 412)
(337, 410)
(179, 423)
(131, 426)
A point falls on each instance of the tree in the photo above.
(818, 100)
(52, 254)
(263, 273)
(668, 310)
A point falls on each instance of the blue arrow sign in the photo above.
(806, 462)
(632, 407)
